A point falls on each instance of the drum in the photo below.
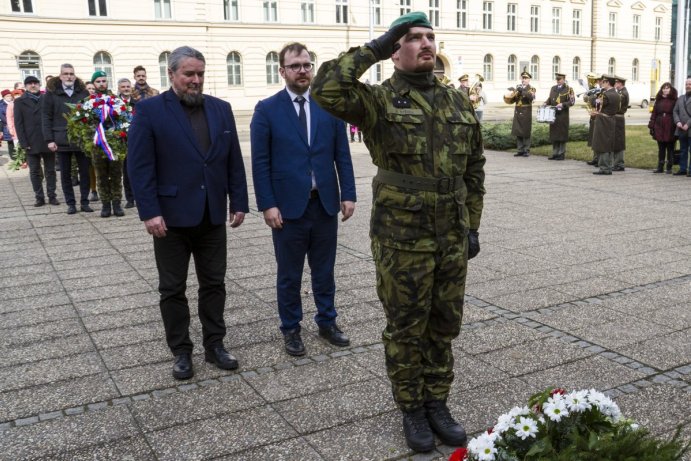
(546, 114)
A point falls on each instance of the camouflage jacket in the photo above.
(406, 134)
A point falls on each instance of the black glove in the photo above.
(384, 46)
(473, 243)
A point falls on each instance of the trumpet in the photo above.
(475, 91)
(513, 91)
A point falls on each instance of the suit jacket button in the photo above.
(203, 186)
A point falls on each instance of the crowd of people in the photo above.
(33, 119)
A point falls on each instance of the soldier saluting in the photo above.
(522, 125)
(427, 203)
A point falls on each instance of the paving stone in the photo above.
(129, 334)
(658, 408)
(496, 337)
(40, 332)
(46, 371)
(125, 449)
(288, 450)
(124, 302)
(663, 352)
(47, 349)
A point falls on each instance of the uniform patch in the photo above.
(400, 102)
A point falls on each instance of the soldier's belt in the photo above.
(439, 185)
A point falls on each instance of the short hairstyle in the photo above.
(138, 68)
(294, 47)
(66, 66)
(123, 80)
(178, 54)
(611, 81)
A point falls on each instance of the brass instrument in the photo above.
(512, 92)
(475, 91)
(444, 79)
(594, 90)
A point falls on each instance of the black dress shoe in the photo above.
(71, 209)
(621, 168)
(53, 201)
(443, 424)
(129, 204)
(293, 342)
(417, 431)
(39, 202)
(182, 367)
(518, 154)
(86, 209)
(334, 335)
(602, 172)
(221, 358)
(592, 163)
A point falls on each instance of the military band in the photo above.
(604, 124)
(522, 96)
(561, 96)
(620, 130)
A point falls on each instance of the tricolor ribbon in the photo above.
(100, 135)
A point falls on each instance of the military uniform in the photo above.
(604, 125)
(427, 193)
(522, 125)
(620, 130)
(559, 130)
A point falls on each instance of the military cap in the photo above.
(526, 74)
(619, 79)
(463, 78)
(31, 79)
(607, 77)
(98, 74)
(415, 18)
(558, 75)
(5, 93)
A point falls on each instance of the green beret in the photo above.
(416, 19)
(97, 74)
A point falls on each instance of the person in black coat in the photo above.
(28, 124)
(66, 88)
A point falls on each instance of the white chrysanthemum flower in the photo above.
(577, 401)
(525, 427)
(504, 422)
(555, 409)
(483, 447)
(519, 411)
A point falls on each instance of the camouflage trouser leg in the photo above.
(422, 295)
(108, 178)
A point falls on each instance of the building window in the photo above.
(103, 61)
(272, 68)
(556, 21)
(576, 24)
(307, 9)
(511, 9)
(162, 9)
(636, 33)
(377, 72)
(234, 69)
(98, 8)
(612, 66)
(612, 25)
(534, 19)
(488, 68)
(635, 67)
(341, 11)
(556, 65)
(461, 14)
(487, 15)
(405, 7)
(270, 11)
(377, 12)
(22, 6)
(511, 68)
(576, 69)
(29, 63)
(163, 68)
(230, 10)
(434, 12)
(535, 67)
(658, 28)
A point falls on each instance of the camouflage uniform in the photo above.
(108, 177)
(427, 194)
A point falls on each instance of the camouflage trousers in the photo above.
(422, 294)
(108, 178)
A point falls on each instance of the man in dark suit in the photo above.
(27, 122)
(300, 157)
(188, 178)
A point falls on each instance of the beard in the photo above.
(192, 99)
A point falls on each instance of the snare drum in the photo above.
(546, 114)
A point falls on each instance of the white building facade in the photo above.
(241, 39)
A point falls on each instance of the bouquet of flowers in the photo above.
(19, 160)
(583, 425)
(99, 125)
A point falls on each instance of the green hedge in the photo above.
(497, 136)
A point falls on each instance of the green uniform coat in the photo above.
(605, 122)
(620, 120)
(522, 125)
(559, 130)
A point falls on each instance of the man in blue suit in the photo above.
(188, 178)
(300, 157)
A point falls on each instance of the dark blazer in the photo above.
(171, 176)
(53, 109)
(27, 123)
(282, 160)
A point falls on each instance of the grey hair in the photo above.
(178, 54)
(123, 80)
(66, 66)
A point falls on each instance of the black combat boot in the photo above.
(659, 167)
(418, 434)
(669, 167)
(117, 209)
(105, 211)
(443, 424)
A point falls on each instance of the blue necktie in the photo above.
(302, 115)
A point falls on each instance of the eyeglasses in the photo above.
(308, 66)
